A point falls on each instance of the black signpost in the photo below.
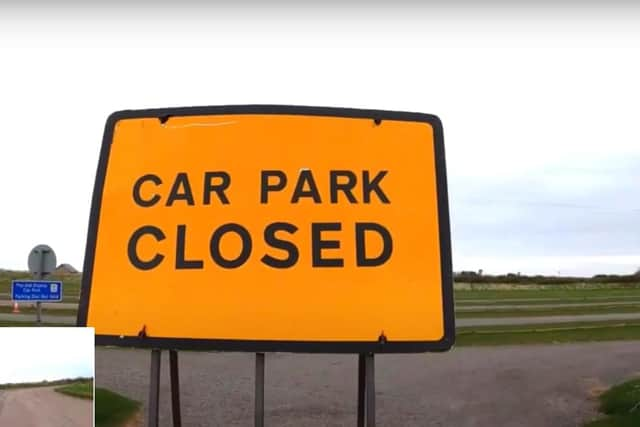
(154, 388)
(366, 390)
(41, 261)
(175, 388)
(259, 393)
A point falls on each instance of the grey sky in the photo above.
(539, 106)
(37, 354)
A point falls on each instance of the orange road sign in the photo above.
(270, 228)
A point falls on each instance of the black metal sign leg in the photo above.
(361, 387)
(175, 388)
(370, 390)
(259, 394)
(366, 390)
(154, 388)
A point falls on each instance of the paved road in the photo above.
(471, 308)
(510, 386)
(46, 318)
(464, 322)
(540, 320)
(43, 407)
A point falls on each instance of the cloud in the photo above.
(37, 354)
(543, 152)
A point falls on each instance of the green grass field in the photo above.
(545, 334)
(521, 300)
(540, 302)
(83, 389)
(112, 409)
(621, 405)
(5, 324)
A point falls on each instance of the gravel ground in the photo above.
(509, 386)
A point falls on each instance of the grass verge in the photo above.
(548, 334)
(7, 323)
(621, 404)
(113, 409)
(83, 389)
(545, 301)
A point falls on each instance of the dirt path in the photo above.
(43, 407)
(511, 386)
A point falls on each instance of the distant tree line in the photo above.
(473, 277)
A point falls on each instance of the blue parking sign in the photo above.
(36, 290)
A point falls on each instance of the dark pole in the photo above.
(40, 277)
(361, 388)
(259, 395)
(370, 390)
(154, 388)
(175, 388)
